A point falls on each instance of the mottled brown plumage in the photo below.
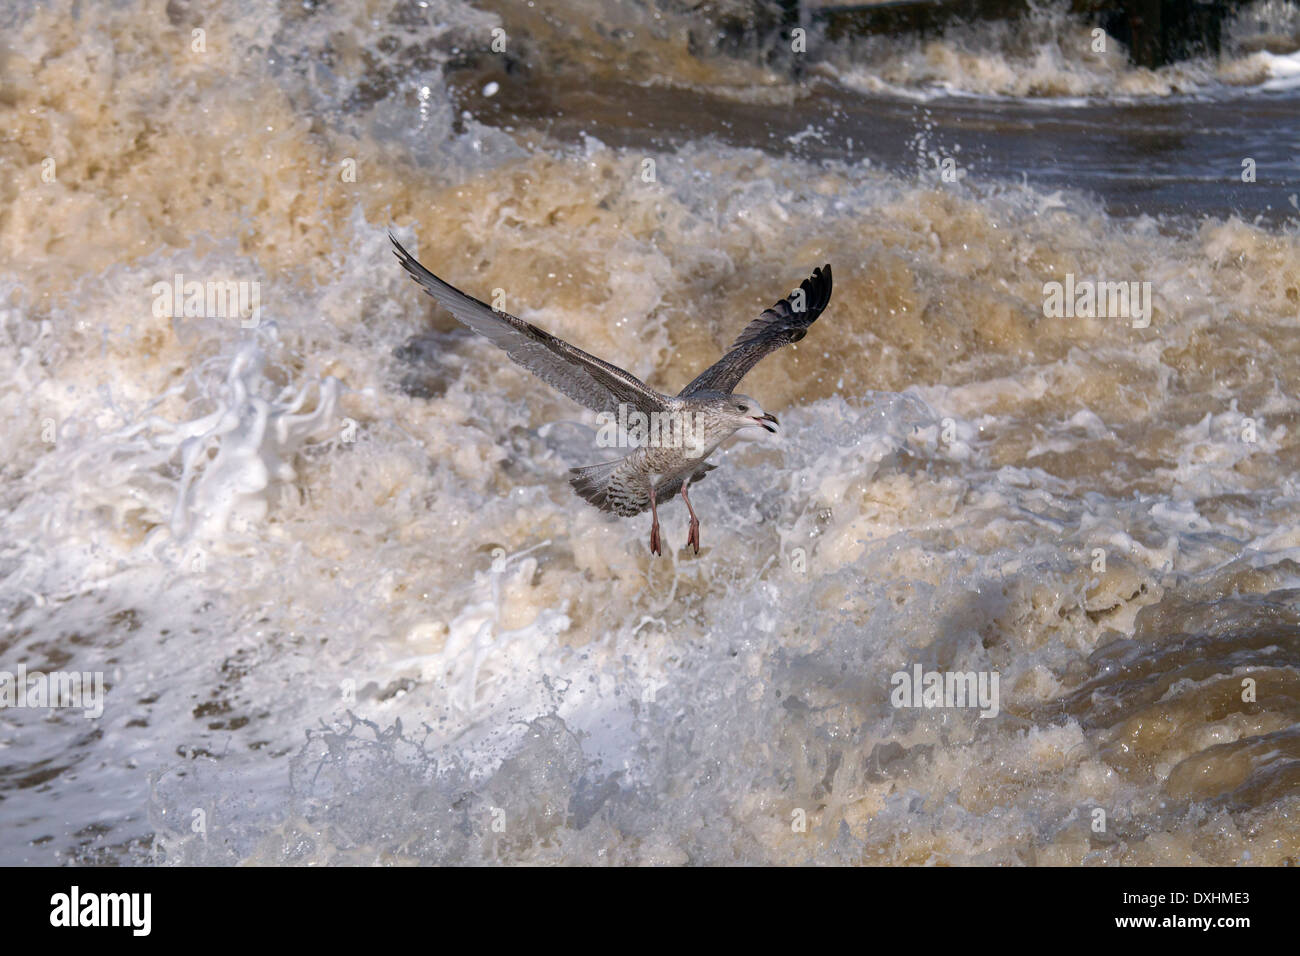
(706, 409)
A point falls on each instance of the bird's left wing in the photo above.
(584, 378)
(785, 322)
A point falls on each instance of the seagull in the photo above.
(691, 424)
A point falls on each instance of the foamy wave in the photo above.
(1050, 54)
(418, 646)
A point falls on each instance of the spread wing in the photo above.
(584, 378)
(785, 322)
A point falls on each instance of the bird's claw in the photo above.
(654, 539)
(693, 536)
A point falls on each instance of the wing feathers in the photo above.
(582, 377)
(783, 323)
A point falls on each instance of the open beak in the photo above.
(763, 420)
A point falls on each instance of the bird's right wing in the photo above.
(785, 322)
(583, 377)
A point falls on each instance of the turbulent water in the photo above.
(323, 552)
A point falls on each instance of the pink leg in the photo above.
(654, 527)
(693, 538)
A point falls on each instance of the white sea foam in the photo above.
(348, 609)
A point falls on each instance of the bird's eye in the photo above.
(743, 408)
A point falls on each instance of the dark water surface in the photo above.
(1182, 157)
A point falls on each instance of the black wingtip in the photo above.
(818, 287)
(827, 283)
(411, 264)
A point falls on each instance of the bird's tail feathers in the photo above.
(592, 483)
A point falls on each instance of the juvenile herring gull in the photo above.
(691, 425)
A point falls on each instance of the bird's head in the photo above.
(749, 414)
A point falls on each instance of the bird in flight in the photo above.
(683, 430)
